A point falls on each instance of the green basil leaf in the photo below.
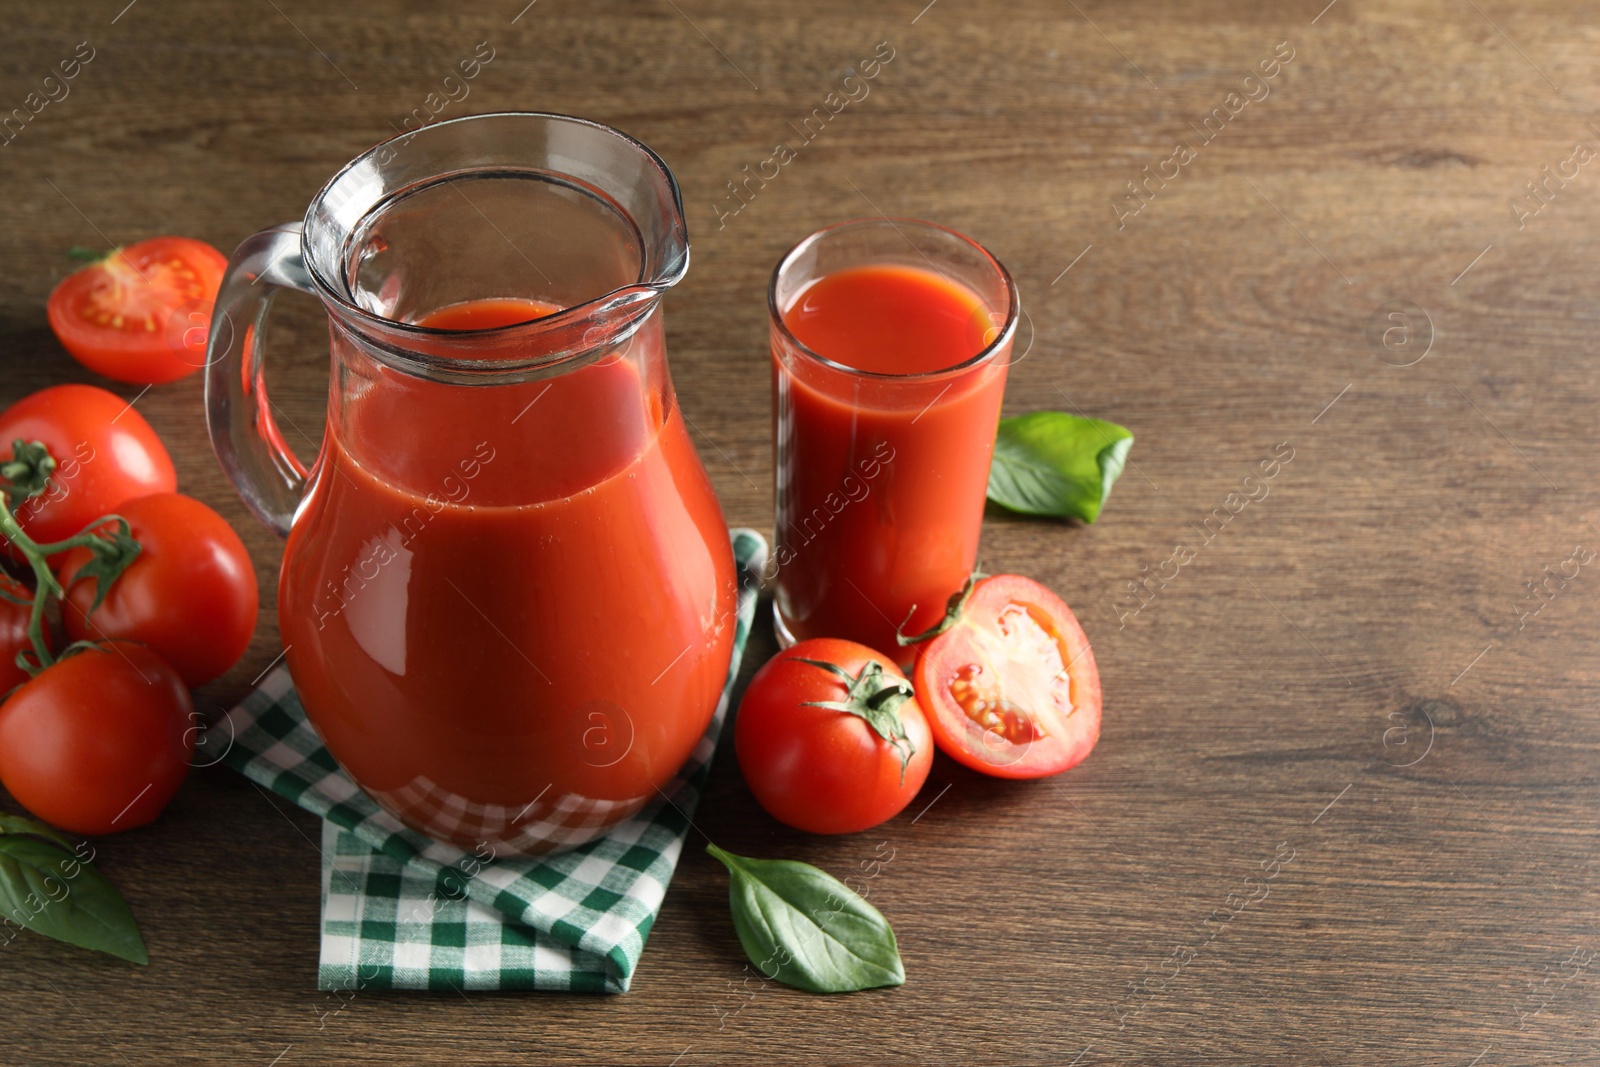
(1053, 463)
(48, 890)
(21, 824)
(805, 928)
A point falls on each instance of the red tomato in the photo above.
(100, 741)
(1011, 688)
(190, 595)
(141, 314)
(826, 770)
(105, 454)
(13, 632)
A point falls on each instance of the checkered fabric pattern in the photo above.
(565, 821)
(401, 911)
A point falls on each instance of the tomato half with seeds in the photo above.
(142, 313)
(1010, 685)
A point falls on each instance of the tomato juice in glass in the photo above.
(890, 342)
(508, 594)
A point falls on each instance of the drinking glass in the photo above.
(881, 476)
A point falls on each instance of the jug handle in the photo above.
(265, 472)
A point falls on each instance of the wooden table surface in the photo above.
(1346, 686)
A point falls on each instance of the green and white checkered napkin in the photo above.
(400, 911)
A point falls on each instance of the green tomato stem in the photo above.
(36, 556)
(82, 539)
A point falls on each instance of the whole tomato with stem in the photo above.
(831, 738)
(140, 314)
(81, 452)
(1008, 680)
(190, 594)
(98, 741)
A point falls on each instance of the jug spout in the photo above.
(631, 176)
(579, 222)
(574, 215)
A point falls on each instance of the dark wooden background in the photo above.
(1341, 673)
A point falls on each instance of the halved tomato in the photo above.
(142, 313)
(1009, 683)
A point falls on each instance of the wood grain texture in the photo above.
(1340, 672)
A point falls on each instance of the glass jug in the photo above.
(507, 595)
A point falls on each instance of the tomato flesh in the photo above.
(136, 299)
(1011, 688)
(141, 315)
